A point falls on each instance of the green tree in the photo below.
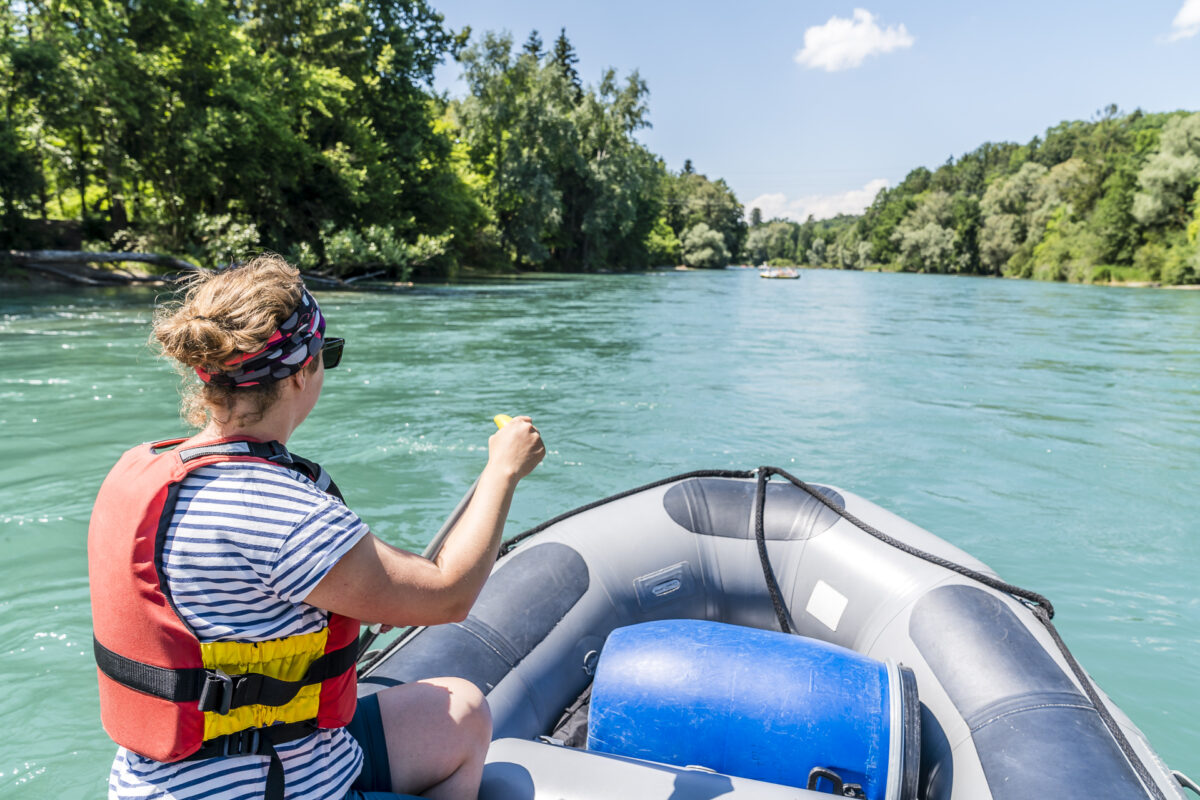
(925, 237)
(206, 129)
(704, 247)
(771, 241)
(816, 254)
(19, 182)
(754, 249)
(564, 58)
(608, 180)
(533, 45)
(1112, 191)
(1006, 208)
(513, 124)
(691, 198)
(193, 123)
(1169, 178)
(20, 173)
(780, 241)
(662, 246)
(568, 184)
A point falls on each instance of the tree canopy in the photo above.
(208, 130)
(1113, 198)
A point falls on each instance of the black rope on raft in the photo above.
(1041, 608)
(1025, 595)
(760, 539)
(1134, 760)
(508, 545)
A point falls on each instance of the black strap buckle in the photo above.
(242, 743)
(217, 692)
(839, 788)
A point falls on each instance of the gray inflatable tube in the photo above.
(1002, 712)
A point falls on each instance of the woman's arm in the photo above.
(376, 582)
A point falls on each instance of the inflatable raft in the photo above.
(722, 634)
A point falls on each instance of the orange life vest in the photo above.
(163, 693)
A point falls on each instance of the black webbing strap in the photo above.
(258, 742)
(213, 689)
(176, 685)
(317, 474)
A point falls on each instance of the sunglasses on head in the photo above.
(331, 352)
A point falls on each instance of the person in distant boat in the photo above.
(228, 580)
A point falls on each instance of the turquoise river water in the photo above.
(1053, 431)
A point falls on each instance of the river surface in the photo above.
(1053, 431)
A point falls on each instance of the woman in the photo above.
(228, 579)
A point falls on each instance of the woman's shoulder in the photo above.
(263, 482)
(255, 503)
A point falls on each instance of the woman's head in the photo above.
(240, 331)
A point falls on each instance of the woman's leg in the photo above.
(437, 733)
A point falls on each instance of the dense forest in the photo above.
(1116, 198)
(208, 129)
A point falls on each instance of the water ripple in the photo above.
(1049, 430)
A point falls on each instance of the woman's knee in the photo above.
(436, 730)
(467, 706)
(437, 707)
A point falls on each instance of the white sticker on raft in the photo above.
(827, 605)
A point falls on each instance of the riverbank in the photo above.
(12, 278)
(1130, 283)
(114, 274)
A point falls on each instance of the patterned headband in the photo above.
(298, 339)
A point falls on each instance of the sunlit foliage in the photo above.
(1117, 196)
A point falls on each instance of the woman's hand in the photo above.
(516, 449)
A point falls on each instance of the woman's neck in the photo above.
(274, 426)
(215, 431)
(295, 400)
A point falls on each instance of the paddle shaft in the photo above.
(435, 544)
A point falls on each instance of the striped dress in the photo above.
(246, 544)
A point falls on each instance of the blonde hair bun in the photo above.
(223, 315)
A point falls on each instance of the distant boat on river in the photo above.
(779, 272)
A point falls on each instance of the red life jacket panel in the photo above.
(163, 693)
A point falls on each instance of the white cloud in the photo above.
(1187, 22)
(821, 206)
(846, 43)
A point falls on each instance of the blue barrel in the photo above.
(756, 704)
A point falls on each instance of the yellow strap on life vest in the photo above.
(286, 659)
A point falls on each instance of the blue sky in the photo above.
(810, 107)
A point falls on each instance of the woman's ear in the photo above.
(298, 380)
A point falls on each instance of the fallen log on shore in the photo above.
(74, 266)
(85, 257)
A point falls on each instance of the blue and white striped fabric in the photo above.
(246, 545)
